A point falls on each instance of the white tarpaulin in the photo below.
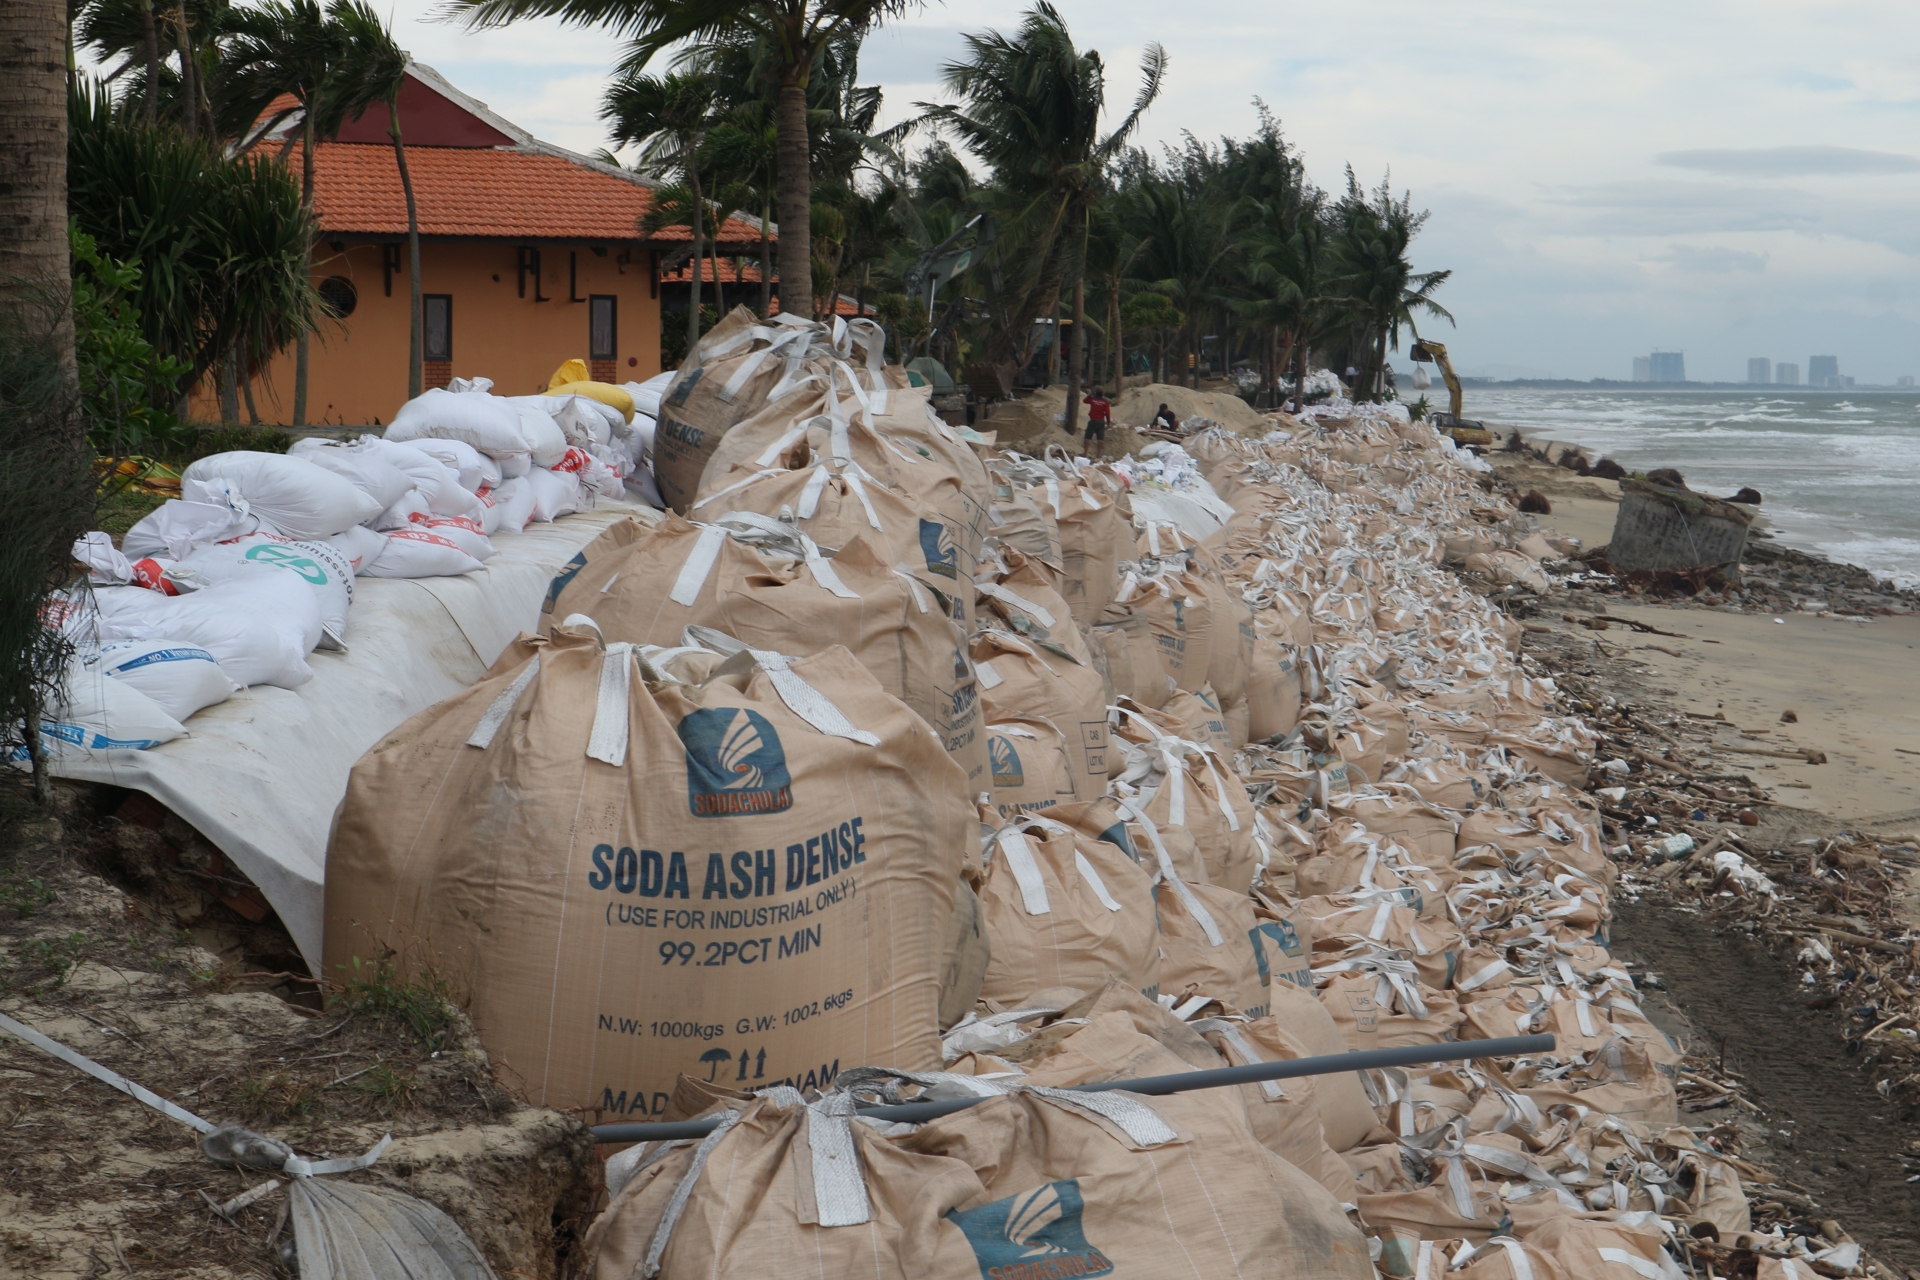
(261, 774)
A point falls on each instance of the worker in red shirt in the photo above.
(1099, 414)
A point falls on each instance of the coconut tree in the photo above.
(1371, 270)
(1029, 108)
(668, 118)
(287, 47)
(796, 32)
(33, 156)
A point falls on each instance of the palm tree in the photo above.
(1372, 271)
(287, 47)
(375, 70)
(1288, 268)
(795, 31)
(1029, 109)
(668, 116)
(34, 273)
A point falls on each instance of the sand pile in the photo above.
(1032, 417)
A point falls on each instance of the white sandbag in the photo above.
(294, 497)
(514, 500)
(177, 526)
(318, 565)
(415, 553)
(437, 483)
(360, 545)
(257, 629)
(95, 712)
(646, 395)
(180, 678)
(642, 486)
(361, 467)
(402, 514)
(462, 531)
(489, 515)
(585, 421)
(474, 469)
(546, 442)
(514, 466)
(489, 423)
(555, 493)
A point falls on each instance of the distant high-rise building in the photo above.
(1759, 371)
(1667, 366)
(1786, 374)
(1823, 371)
(1905, 381)
(1642, 369)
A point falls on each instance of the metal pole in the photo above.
(1253, 1073)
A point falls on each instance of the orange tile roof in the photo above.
(743, 273)
(506, 192)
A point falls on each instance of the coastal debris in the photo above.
(1670, 527)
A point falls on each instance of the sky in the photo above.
(1727, 180)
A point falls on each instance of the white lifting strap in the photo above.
(502, 706)
(608, 741)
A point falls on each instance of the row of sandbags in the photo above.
(1002, 772)
(253, 567)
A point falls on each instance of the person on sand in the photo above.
(1166, 420)
(1099, 414)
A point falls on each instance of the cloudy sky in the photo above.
(1730, 180)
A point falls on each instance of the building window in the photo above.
(338, 296)
(602, 332)
(437, 322)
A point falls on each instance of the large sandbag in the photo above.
(1344, 1110)
(1133, 659)
(731, 373)
(1207, 946)
(630, 878)
(1018, 678)
(1273, 690)
(299, 499)
(1064, 910)
(835, 505)
(649, 591)
(1180, 614)
(489, 423)
(1078, 1192)
(1092, 537)
(1029, 767)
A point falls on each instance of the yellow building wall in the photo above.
(358, 370)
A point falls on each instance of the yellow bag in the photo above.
(572, 379)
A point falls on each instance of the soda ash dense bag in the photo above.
(748, 880)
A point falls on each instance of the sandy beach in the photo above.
(1848, 681)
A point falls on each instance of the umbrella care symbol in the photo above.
(713, 1058)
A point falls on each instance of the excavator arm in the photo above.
(1423, 352)
(1462, 430)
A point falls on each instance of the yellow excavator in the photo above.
(1469, 432)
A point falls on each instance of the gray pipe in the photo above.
(1253, 1073)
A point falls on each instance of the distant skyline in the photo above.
(1741, 183)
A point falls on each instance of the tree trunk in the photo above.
(415, 375)
(766, 263)
(36, 282)
(301, 346)
(1116, 337)
(150, 41)
(1076, 347)
(699, 262)
(1380, 369)
(229, 391)
(246, 385)
(190, 101)
(794, 189)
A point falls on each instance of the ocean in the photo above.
(1840, 471)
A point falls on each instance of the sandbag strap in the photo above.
(913, 588)
(787, 439)
(699, 565)
(1646, 1269)
(608, 741)
(684, 1192)
(839, 1185)
(1026, 871)
(1243, 1048)
(1188, 899)
(502, 707)
(1094, 882)
(1132, 1116)
(801, 698)
(1043, 616)
(737, 485)
(106, 1075)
